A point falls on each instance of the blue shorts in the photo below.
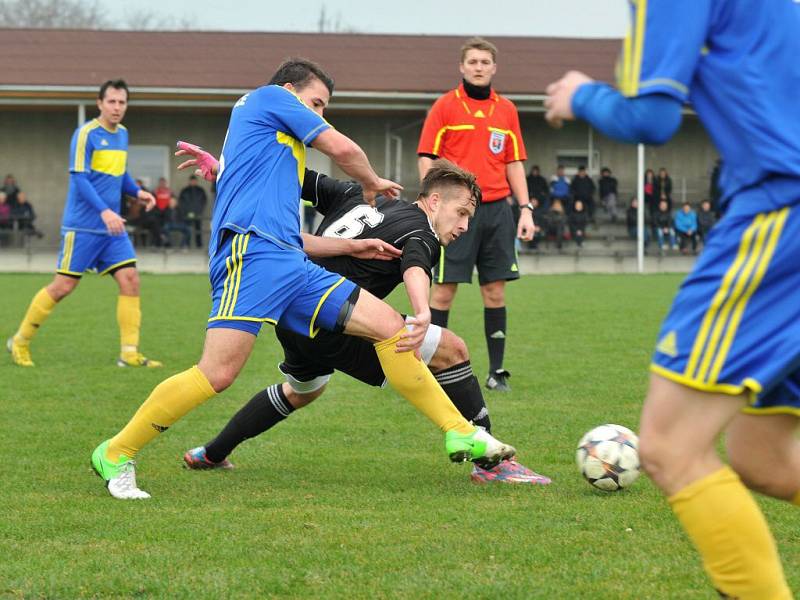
(255, 281)
(735, 323)
(83, 251)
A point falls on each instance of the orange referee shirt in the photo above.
(481, 136)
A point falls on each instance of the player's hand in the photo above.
(114, 223)
(559, 97)
(416, 328)
(386, 187)
(147, 199)
(525, 227)
(207, 165)
(374, 249)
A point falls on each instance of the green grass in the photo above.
(353, 497)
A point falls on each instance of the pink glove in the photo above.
(207, 165)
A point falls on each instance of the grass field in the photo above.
(353, 496)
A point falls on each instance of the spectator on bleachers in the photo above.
(11, 190)
(608, 193)
(632, 220)
(578, 219)
(539, 220)
(174, 221)
(24, 215)
(538, 187)
(686, 227)
(555, 222)
(705, 220)
(5, 218)
(662, 223)
(582, 188)
(163, 193)
(146, 225)
(192, 204)
(663, 187)
(650, 203)
(559, 187)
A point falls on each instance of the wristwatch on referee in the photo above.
(529, 206)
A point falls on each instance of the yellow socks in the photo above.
(796, 499)
(412, 379)
(38, 311)
(129, 318)
(168, 402)
(732, 536)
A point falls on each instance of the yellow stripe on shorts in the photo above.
(239, 261)
(69, 244)
(226, 285)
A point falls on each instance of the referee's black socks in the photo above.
(494, 326)
(265, 410)
(463, 389)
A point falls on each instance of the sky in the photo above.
(559, 18)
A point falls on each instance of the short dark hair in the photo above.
(299, 72)
(193, 177)
(117, 84)
(443, 173)
(581, 167)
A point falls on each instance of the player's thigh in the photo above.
(79, 252)
(679, 429)
(225, 353)
(117, 254)
(127, 278)
(373, 319)
(765, 452)
(497, 256)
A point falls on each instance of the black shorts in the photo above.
(306, 358)
(487, 244)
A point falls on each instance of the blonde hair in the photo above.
(478, 43)
(443, 174)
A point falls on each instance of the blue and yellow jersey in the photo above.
(737, 62)
(102, 156)
(262, 166)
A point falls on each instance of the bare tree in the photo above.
(45, 14)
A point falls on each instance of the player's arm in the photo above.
(129, 188)
(326, 193)
(656, 70)
(415, 264)
(515, 173)
(352, 160)
(424, 164)
(368, 249)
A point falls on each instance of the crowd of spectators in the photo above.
(180, 214)
(564, 208)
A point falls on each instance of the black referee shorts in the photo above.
(487, 244)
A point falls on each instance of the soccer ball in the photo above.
(608, 457)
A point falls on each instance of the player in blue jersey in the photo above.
(260, 274)
(728, 355)
(92, 231)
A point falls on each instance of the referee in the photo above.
(478, 129)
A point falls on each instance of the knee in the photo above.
(298, 400)
(62, 287)
(220, 377)
(494, 295)
(754, 473)
(451, 351)
(442, 295)
(128, 280)
(656, 459)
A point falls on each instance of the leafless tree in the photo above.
(45, 14)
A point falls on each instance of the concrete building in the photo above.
(184, 83)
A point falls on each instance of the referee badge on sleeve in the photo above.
(497, 142)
